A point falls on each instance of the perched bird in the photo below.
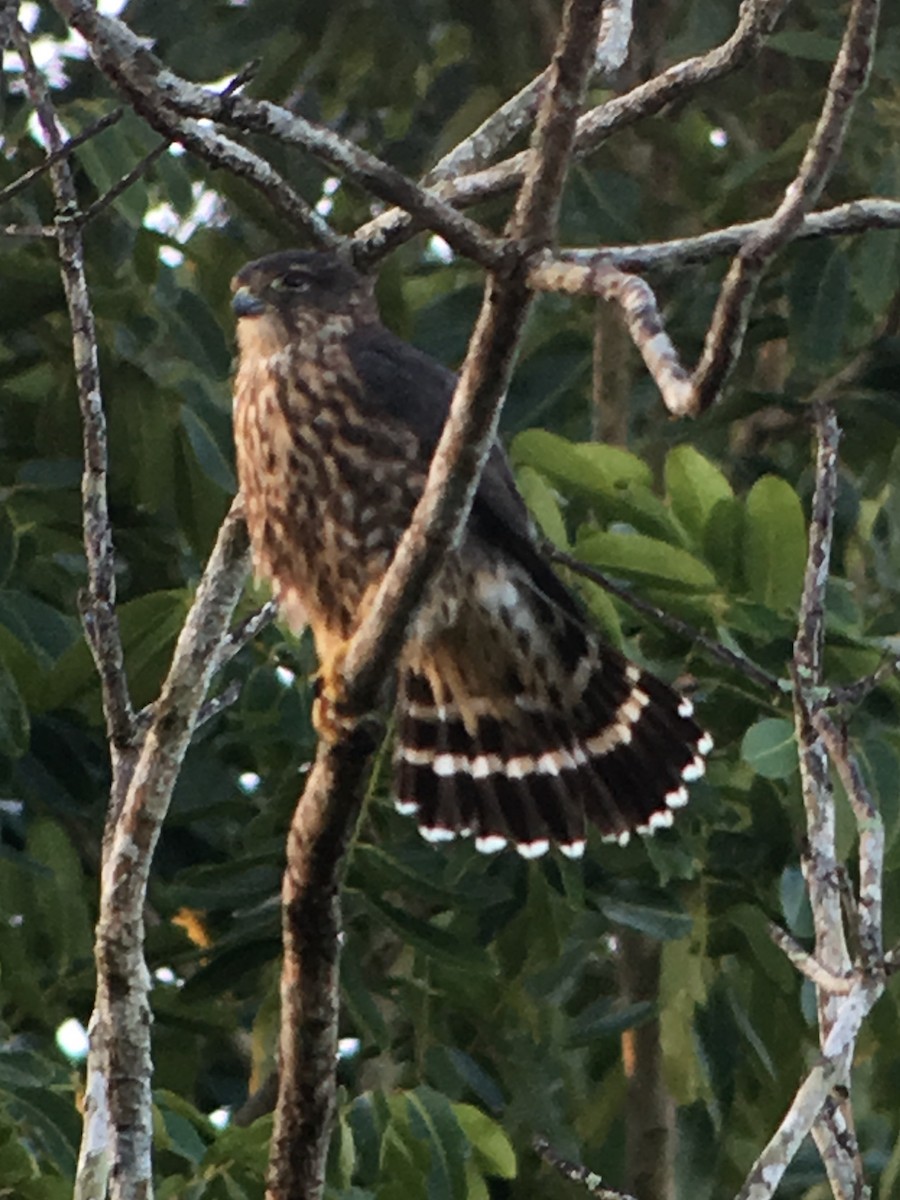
(514, 721)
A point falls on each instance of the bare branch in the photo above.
(729, 321)
(811, 627)
(638, 304)
(854, 693)
(120, 1046)
(160, 96)
(517, 113)
(840, 1155)
(756, 21)
(766, 1173)
(320, 833)
(836, 985)
(246, 631)
(102, 203)
(98, 608)
(858, 216)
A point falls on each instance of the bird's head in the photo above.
(296, 286)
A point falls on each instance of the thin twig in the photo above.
(122, 185)
(516, 113)
(854, 693)
(216, 705)
(820, 868)
(55, 156)
(29, 231)
(575, 1173)
(245, 631)
(730, 658)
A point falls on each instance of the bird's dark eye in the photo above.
(292, 281)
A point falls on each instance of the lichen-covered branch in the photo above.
(857, 216)
(122, 1019)
(845, 992)
(98, 604)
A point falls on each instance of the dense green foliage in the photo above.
(484, 992)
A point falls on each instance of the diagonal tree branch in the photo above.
(757, 18)
(729, 320)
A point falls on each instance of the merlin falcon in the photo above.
(515, 723)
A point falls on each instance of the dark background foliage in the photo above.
(486, 996)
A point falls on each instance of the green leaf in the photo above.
(805, 43)
(588, 465)
(543, 505)
(431, 1117)
(602, 1020)
(665, 924)
(9, 545)
(774, 544)
(62, 904)
(770, 747)
(493, 1150)
(14, 720)
(210, 457)
(431, 940)
(820, 296)
(360, 1005)
(639, 557)
(183, 1138)
(694, 487)
(723, 539)
(601, 607)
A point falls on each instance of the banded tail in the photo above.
(548, 731)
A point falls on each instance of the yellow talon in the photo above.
(327, 719)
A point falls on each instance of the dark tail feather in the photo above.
(620, 758)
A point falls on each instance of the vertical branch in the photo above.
(820, 867)
(844, 994)
(98, 609)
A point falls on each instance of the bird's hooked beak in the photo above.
(245, 304)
